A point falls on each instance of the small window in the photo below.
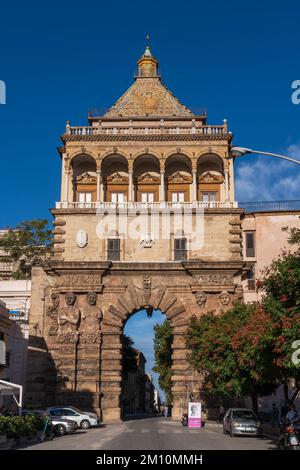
(3, 353)
(250, 244)
(147, 197)
(178, 197)
(117, 197)
(113, 249)
(209, 196)
(251, 279)
(180, 251)
(85, 197)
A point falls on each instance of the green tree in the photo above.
(129, 355)
(163, 339)
(231, 359)
(281, 286)
(249, 349)
(21, 246)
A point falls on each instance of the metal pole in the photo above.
(245, 151)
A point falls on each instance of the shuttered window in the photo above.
(250, 245)
(180, 251)
(3, 356)
(113, 249)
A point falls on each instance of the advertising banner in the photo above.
(194, 417)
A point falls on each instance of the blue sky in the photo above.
(140, 328)
(60, 59)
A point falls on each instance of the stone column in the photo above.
(67, 181)
(162, 186)
(227, 197)
(130, 185)
(194, 185)
(99, 185)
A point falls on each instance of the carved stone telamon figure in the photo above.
(92, 314)
(91, 298)
(225, 298)
(69, 314)
(53, 314)
(70, 298)
(200, 298)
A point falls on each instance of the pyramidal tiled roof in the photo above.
(148, 97)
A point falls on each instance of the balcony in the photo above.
(155, 130)
(146, 205)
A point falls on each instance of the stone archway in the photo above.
(78, 314)
(149, 297)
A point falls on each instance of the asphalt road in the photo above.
(154, 434)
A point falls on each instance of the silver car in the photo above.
(62, 426)
(83, 419)
(241, 422)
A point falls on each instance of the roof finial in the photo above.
(147, 63)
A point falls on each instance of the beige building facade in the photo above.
(147, 219)
(263, 241)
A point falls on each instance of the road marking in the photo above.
(162, 431)
(144, 431)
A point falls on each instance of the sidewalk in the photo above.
(269, 430)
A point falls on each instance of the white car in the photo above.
(84, 419)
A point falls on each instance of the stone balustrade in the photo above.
(130, 130)
(147, 205)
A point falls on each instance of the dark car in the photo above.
(241, 422)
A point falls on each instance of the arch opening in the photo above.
(178, 174)
(84, 178)
(143, 390)
(115, 178)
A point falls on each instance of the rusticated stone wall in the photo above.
(78, 314)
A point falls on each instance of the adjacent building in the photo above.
(5, 326)
(134, 388)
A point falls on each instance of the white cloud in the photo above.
(267, 178)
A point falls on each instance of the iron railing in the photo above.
(265, 206)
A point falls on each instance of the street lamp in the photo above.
(241, 151)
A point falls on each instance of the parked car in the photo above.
(59, 426)
(84, 419)
(241, 422)
(62, 426)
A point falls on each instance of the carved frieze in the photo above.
(90, 337)
(52, 313)
(79, 280)
(214, 279)
(86, 178)
(68, 337)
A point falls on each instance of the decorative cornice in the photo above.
(146, 138)
(178, 177)
(86, 178)
(209, 177)
(148, 178)
(117, 178)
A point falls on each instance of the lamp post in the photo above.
(241, 151)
